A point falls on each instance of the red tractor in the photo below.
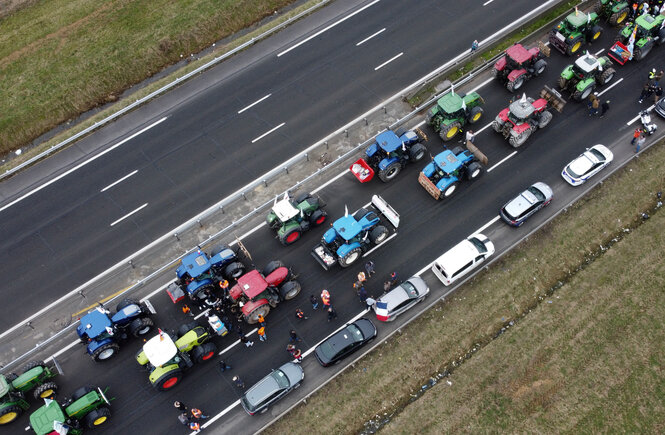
(520, 64)
(255, 292)
(521, 118)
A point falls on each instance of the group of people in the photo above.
(652, 87)
(596, 108)
(653, 7)
(190, 417)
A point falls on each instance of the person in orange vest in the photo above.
(300, 314)
(262, 333)
(262, 320)
(325, 298)
(197, 413)
(195, 426)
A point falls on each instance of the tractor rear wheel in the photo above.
(253, 317)
(141, 327)
(318, 217)
(82, 391)
(496, 126)
(272, 266)
(473, 171)
(475, 114)
(391, 171)
(32, 364)
(45, 390)
(289, 290)
(584, 93)
(378, 234)
(105, 352)
(450, 190)
(10, 413)
(125, 303)
(417, 152)
(184, 329)
(448, 132)
(519, 140)
(204, 352)
(619, 16)
(97, 417)
(545, 119)
(515, 84)
(574, 46)
(234, 270)
(607, 76)
(168, 380)
(290, 237)
(350, 257)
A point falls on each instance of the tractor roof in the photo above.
(195, 264)
(522, 108)
(518, 53)
(648, 21)
(4, 386)
(388, 141)
(347, 227)
(577, 19)
(160, 349)
(450, 103)
(285, 210)
(587, 63)
(45, 419)
(94, 323)
(252, 283)
(447, 161)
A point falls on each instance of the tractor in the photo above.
(648, 30)
(13, 389)
(351, 236)
(519, 120)
(88, 407)
(614, 11)
(199, 272)
(442, 175)
(453, 111)
(166, 358)
(103, 333)
(582, 77)
(291, 217)
(576, 29)
(520, 64)
(255, 292)
(390, 152)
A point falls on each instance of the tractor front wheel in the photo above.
(607, 76)
(105, 352)
(253, 317)
(290, 237)
(204, 352)
(563, 82)
(540, 66)
(234, 270)
(417, 152)
(545, 119)
(473, 171)
(450, 190)
(168, 380)
(475, 114)
(318, 217)
(448, 132)
(46, 390)
(82, 391)
(125, 303)
(496, 126)
(272, 266)
(596, 31)
(350, 257)
(141, 327)
(10, 413)
(97, 417)
(302, 197)
(391, 171)
(289, 290)
(584, 93)
(184, 329)
(32, 364)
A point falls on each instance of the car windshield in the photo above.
(478, 244)
(532, 194)
(598, 154)
(355, 332)
(281, 379)
(409, 289)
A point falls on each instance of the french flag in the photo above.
(381, 310)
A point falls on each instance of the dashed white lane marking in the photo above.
(502, 160)
(254, 103)
(610, 86)
(130, 213)
(268, 132)
(388, 61)
(371, 36)
(119, 181)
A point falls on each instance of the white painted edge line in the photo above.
(484, 227)
(129, 214)
(63, 350)
(379, 245)
(420, 124)
(371, 36)
(484, 128)
(329, 182)
(502, 160)
(218, 416)
(93, 158)
(119, 181)
(487, 2)
(388, 61)
(254, 103)
(649, 109)
(599, 51)
(235, 343)
(268, 132)
(252, 231)
(326, 28)
(610, 86)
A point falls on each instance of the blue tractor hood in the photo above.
(126, 315)
(224, 256)
(447, 161)
(388, 141)
(94, 324)
(347, 227)
(194, 264)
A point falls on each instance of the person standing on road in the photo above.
(223, 366)
(594, 107)
(470, 137)
(362, 277)
(386, 286)
(180, 406)
(636, 135)
(245, 341)
(474, 45)
(262, 333)
(370, 302)
(362, 294)
(325, 298)
(647, 90)
(300, 315)
(604, 108)
(369, 268)
(332, 314)
(657, 94)
(239, 383)
(393, 278)
(639, 143)
(314, 301)
(183, 418)
(198, 414)
(262, 320)
(293, 336)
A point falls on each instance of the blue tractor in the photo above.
(442, 175)
(351, 236)
(102, 332)
(199, 272)
(390, 152)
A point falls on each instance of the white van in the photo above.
(462, 258)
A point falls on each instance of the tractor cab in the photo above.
(48, 419)
(160, 349)
(517, 55)
(285, 209)
(252, 285)
(194, 266)
(96, 325)
(447, 163)
(586, 66)
(520, 110)
(451, 104)
(574, 22)
(347, 227)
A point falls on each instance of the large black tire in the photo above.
(253, 317)
(361, 213)
(10, 414)
(661, 36)
(563, 83)
(475, 114)
(318, 217)
(574, 46)
(496, 126)
(545, 118)
(539, 66)
(204, 353)
(517, 141)
(473, 171)
(619, 17)
(32, 364)
(97, 417)
(290, 237)
(105, 352)
(606, 76)
(515, 84)
(141, 327)
(272, 266)
(457, 150)
(350, 258)
(45, 390)
(391, 171)
(289, 290)
(82, 391)
(378, 234)
(125, 303)
(302, 196)
(10, 377)
(400, 131)
(164, 383)
(641, 53)
(184, 329)
(595, 33)
(448, 132)
(448, 191)
(417, 152)
(584, 93)
(234, 270)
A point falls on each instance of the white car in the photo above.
(588, 164)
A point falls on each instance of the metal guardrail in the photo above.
(188, 234)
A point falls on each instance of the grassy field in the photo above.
(59, 58)
(588, 358)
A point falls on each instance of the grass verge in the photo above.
(442, 339)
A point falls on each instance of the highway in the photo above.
(174, 157)
(428, 229)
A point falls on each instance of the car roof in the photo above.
(264, 388)
(459, 255)
(388, 141)
(520, 203)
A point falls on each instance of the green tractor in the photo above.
(582, 77)
(576, 29)
(88, 407)
(13, 389)
(648, 30)
(453, 111)
(291, 217)
(614, 11)
(166, 359)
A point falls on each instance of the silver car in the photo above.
(519, 209)
(273, 387)
(400, 299)
(588, 164)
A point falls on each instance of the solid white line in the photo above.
(218, 416)
(420, 124)
(254, 103)
(235, 343)
(482, 84)
(599, 51)
(380, 245)
(649, 109)
(63, 350)
(387, 62)
(130, 213)
(610, 86)
(234, 242)
(371, 36)
(156, 291)
(119, 181)
(324, 185)
(268, 132)
(481, 229)
(487, 2)
(327, 28)
(503, 160)
(48, 183)
(484, 128)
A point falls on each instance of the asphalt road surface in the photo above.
(214, 140)
(428, 229)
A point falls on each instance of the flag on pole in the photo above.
(631, 42)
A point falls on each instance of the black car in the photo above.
(343, 343)
(659, 108)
